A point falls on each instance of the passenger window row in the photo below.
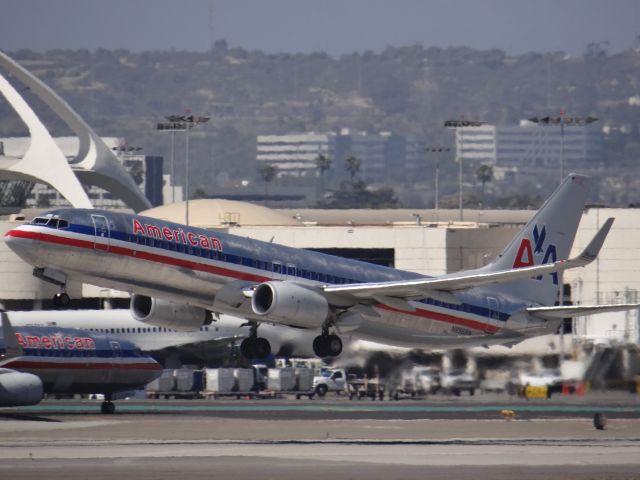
(270, 267)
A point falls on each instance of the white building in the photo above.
(529, 147)
(612, 278)
(381, 154)
(294, 154)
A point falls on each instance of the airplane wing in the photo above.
(440, 287)
(564, 311)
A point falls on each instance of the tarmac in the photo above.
(469, 438)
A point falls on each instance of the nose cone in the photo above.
(24, 243)
(152, 370)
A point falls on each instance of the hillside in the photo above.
(409, 90)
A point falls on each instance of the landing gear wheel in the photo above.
(255, 347)
(333, 345)
(261, 348)
(327, 346)
(61, 300)
(320, 346)
(246, 348)
(108, 407)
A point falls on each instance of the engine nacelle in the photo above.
(162, 313)
(19, 388)
(290, 304)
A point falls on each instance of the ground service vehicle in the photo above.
(330, 380)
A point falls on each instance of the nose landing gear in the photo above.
(61, 300)
(107, 406)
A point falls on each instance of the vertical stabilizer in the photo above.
(11, 345)
(546, 238)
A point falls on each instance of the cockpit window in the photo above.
(53, 222)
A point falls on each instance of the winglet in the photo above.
(590, 253)
(12, 347)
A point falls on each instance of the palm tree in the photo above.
(268, 172)
(352, 164)
(322, 164)
(484, 174)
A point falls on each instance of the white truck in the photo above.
(330, 380)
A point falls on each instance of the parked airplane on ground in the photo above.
(38, 360)
(206, 344)
(182, 273)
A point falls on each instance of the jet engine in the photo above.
(291, 304)
(19, 388)
(163, 313)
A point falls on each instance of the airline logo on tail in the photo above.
(528, 252)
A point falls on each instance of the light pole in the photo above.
(191, 122)
(179, 123)
(173, 125)
(437, 172)
(125, 154)
(459, 125)
(563, 120)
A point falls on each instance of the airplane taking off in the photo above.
(38, 360)
(182, 273)
(174, 348)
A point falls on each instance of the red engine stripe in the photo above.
(444, 317)
(45, 365)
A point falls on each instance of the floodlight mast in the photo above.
(179, 123)
(563, 120)
(459, 125)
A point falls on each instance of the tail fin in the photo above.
(546, 238)
(12, 347)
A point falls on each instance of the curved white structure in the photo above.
(43, 161)
(94, 164)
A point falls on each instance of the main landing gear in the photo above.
(254, 346)
(327, 345)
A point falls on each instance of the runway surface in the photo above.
(287, 439)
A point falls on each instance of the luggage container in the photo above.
(281, 379)
(304, 379)
(219, 381)
(244, 379)
(163, 386)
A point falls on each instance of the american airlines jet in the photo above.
(50, 359)
(173, 347)
(182, 273)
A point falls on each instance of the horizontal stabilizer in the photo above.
(565, 311)
(590, 253)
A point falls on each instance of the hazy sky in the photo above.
(334, 26)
